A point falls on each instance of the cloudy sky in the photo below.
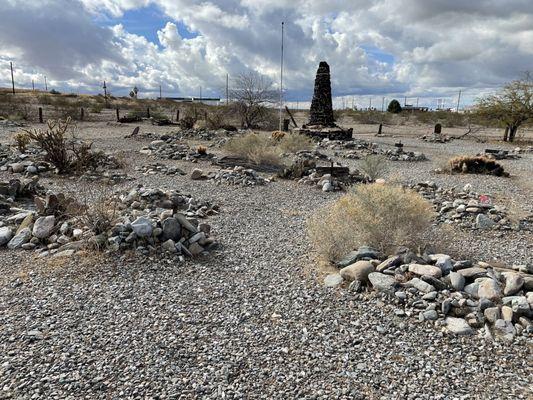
(383, 48)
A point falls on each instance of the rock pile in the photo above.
(146, 220)
(358, 148)
(238, 176)
(330, 182)
(458, 296)
(204, 134)
(158, 168)
(174, 149)
(468, 209)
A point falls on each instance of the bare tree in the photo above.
(252, 94)
(512, 106)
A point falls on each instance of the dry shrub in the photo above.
(294, 142)
(257, 148)
(22, 140)
(217, 119)
(101, 211)
(278, 135)
(476, 165)
(374, 166)
(382, 216)
(62, 149)
(201, 150)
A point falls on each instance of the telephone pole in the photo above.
(382, 104)
(458, 101)
(45, 84)
(160, 94)
(281, 78)
(370, 104)
(12, 78)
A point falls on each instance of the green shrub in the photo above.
(394, 107)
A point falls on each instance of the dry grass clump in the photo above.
(258, 148)
(262, 148)
(382, 216)
(374, 166)
(294, 142)
(476, 165)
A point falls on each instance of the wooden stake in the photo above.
(40, 115)
(118, 115)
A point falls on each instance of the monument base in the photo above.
(321, 132)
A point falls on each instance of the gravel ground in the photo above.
(251, 320)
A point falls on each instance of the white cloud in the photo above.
(384, 47)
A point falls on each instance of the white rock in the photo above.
(333, 280)
(43, 227)
(142, 227)
(489, 289)
(458, 326)
(420, 269)
(5, 235)
(19, 239)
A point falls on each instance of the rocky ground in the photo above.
(252, 319)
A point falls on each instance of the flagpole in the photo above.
(281, 80)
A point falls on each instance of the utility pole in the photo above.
(382, 104)
(160, 94)
(281, 78)
(45, 84)
(404, 101)
(32, 85)
(227, 89)
(370, 104)
(417, 102)
(458, 101)
(12, 79)
(105, 93)
(200, 94)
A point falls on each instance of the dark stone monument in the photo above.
(321, 122)
(321, 106)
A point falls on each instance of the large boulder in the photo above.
(5, 235)
(430, 270)
(20, 238)
(513, 283)
(43, 227)
(358, 271)
(458, 326)
(382, 282)
(489, 289)
(171, 229)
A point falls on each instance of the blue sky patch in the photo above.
(146, 22)
(378, 54)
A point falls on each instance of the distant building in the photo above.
(410, 107)
(213, 101)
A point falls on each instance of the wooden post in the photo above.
(286, 124)
(118, 115)
(290, 115)
(177, 115)
(41, 115)
(147, 112)
(81, 114)
(380, 128)
(12, 78)
(205, 117)
(160, 95)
